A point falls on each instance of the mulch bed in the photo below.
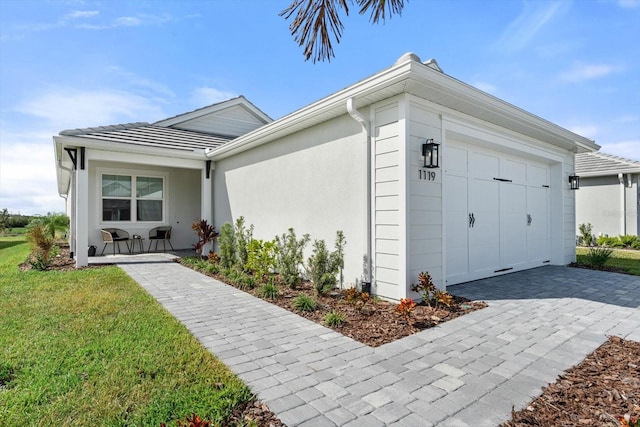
(61, 262)
(597, 392)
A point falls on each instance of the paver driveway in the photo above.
(466, 372)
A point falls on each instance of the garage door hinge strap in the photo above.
(502, 180)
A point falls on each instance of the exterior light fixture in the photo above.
(430, 154)
(574, 181)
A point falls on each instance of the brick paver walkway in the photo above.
(465, 372)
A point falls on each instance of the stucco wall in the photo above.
(182, 202)
(315, 182)
(599, 201)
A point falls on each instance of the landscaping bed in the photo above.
(597, 392)
(371, 321)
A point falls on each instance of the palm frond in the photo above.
(380, 8)
(316, 25)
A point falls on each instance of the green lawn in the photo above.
(626, 259)
(91, 347)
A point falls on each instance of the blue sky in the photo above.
(80, 63)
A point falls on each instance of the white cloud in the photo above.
(583, 72)
(587, 130)
(533, 18)
(68, 108)
(485, 87)
(127, 21)
(629, 4)
(27, 173)
(204, 96)
(627, 149)
(78, 14)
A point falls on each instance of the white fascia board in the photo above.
(610, 172)
(405, 73)
(472, 95)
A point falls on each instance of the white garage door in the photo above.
(496, 213)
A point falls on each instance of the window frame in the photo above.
(133, 197)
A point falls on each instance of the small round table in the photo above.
(136, 238)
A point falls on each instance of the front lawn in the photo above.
(90, 347)
(628, 260)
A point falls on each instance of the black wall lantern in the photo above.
(430, 154)
(574, 181)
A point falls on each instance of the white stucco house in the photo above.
(498, 200)
(609, 196)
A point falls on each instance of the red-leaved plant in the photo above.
(405, 309)
(206, 233)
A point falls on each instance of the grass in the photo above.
(15, 231)
(626, 259)
(90, 347)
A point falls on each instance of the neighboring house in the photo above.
(353, 161)
(609, 195)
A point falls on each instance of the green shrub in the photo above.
(261, 257)
(305, 303)
(628, 240)
(227, 245)
(41, 245)
(636, 244)
(612, 242)
(323, 266)
(334, 319)
(598, 256)
(269, 290)
(243, 236)
(586, 234)
(290, 256)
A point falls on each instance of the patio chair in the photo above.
(114, 236)
(160, 234)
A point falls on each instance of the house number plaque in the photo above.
(426, 175)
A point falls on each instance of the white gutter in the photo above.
(623, 205)
(355, 114)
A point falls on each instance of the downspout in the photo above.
(355, 114)
(623, 205)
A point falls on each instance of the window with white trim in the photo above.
(119, 199)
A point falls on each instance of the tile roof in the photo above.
(149, 135)
(595, 164)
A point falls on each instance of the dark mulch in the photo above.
(597, 392)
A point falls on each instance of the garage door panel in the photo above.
(487, 220)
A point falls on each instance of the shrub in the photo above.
(323, 266)
(243, 236)
(405, 308)
(206, 233)
(636, 244)
(289, 256)
(261, 257)
(305, 303)
(430, 294)
(269, 290)
(213, 257)
(598, 256)
(227, 245)
(334, 319)
(612, 242)
(628, 240)
(41, 244)
(586, 234)
(356, 298)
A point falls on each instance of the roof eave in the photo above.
(396, 78)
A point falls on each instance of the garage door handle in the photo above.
(472, 220)
(528, 219)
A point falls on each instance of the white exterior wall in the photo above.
(314, 181)
(425, 231)
(389, 209)
(599, 201)
(181, 203)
